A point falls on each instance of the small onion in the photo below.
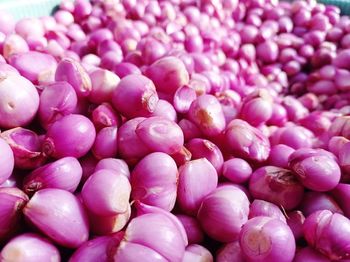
(267, 239)
(105, 144)
(295, 221)
(308, 254)
(59, 215)
(197, 253)
(263, 208)
(237, 170)
(7, 161)
(314, 201)
(193, 230)
(30, 247)
(105, 116)
(72, 135)
(116, 165)
(106, 193)
(230, 252)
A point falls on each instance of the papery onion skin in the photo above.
(116, 165)
(267, 239)
(154, 181)
(7, 161)
(218, 211)
(19, 101)
(328, 232)
(30, 247)
(59, 215)
(236, 170)
(105, 144)
(72, 135)
(197, 253)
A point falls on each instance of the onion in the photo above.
(105, 144)
(7, 161)
(332, 233)
(295, 221)
(279, 155)
(72, 135)
(135, 95)
(19, 101)
(105, 116)
(30, 247)
(193, 231)
(116, 165)
(230, 252)
(197, 253)
(223, 212)
(265, 238)
(64, 173)
(237, 170)
(314, 201)
(197, 179)
(106, 193)
(276, 185)
(59, 215)
(308, 254)
(154, 181)
(264, 208)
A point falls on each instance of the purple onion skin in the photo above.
(64, 173)
(341, 194)
(72, 72)
(328, 233)
(246, 141)
(106, 193)
(19, 101)
(30, 247)
(56, 100)
(279, 155)
(12, 201)
(236, 170)
(130, 146)
(230, 252)
(105, 144)
(154, 181)
(135, 96)
(200, 148)
(276, 185)
(105, 116)
(315, 201)
(161, 242)
(316, 169)
(223, 212)
(206, 112)
(72, 135)
(197, 252)
(193, 230)
(97, 249)
(116, 165)
(160, 135)
(7, 161)
(59, 215)
(263, 208)
(267, 239)
(308, 254)
(197, 179)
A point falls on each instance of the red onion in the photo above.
(105, 116)
(103, 83)
(166, 110)
(206, 112)
(279, 155)
(72, 135)
(116, 165)
(197, 253)
(246, 141)
(328, 233)
(160, 134)
(237, 170)
(189, 129)
(30, 247)
(223, 212)
(335, 144)
(105, 144)
(135, 95)
(99, 248)
(59, 215)
(71, 71)
(124, 69)
(316, 169)
(168, 74)
(344, 157)
(19, 101)
(276, 185)
(197, 178)
(14, 44)
(7, 23)
(263, 208)
(161, 242)
(193, 231)
(106, 193)
(154, 181)
(202, 148)
(341, 194)
(295, 221)
(230, 252)
(183, 98)
(12, 201)
(307, 254)
(7, 161)
(130, 146)
(293, 136)
(314, 201)
(26, 147)
(35, 66)
(56, 100)
(64, 173)
(267, 239)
